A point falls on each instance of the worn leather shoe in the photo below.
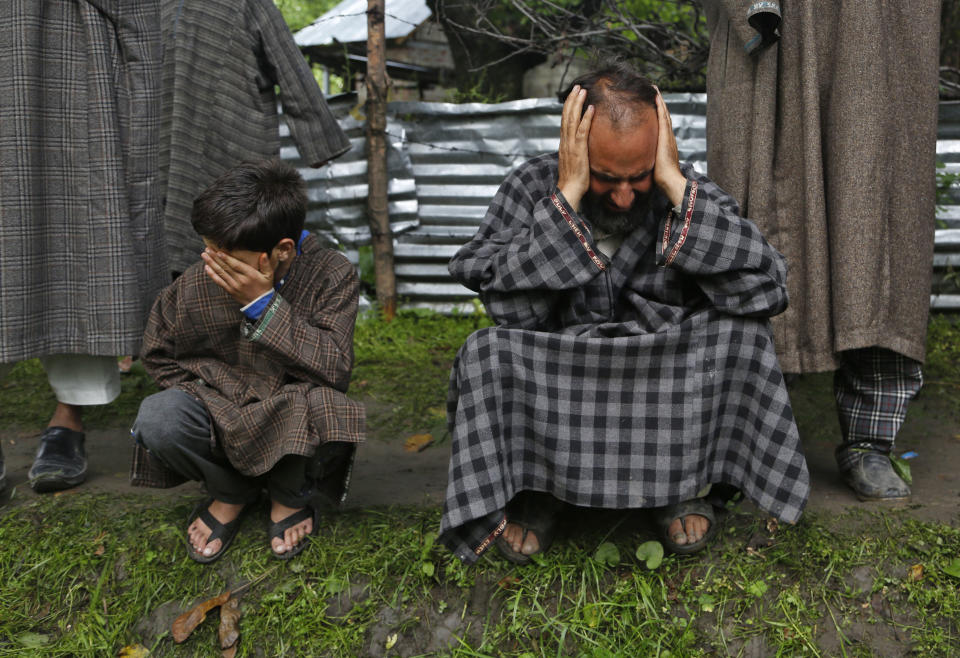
(61, 461)
(872, 477)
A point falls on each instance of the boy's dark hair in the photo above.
(252, 206)
(615, 89)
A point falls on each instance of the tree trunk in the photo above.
(377, 213)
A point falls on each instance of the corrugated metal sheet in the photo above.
(447, 160)
(347, 22)
(946, 257)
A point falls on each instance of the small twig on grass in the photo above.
(243, 588)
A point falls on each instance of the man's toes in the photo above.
(211, 548)
(278, 545)
(514, 536)
(198, 533)
(697, 527)
(293, 535)
(531, 544)
(677, 533)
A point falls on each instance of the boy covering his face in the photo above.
(253, 347)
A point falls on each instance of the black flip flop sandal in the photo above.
(225, 532)
(277, 529)
(536, 513)
(665, 516)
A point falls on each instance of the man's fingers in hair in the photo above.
(663, 113)
(572, 108)
(583, 130)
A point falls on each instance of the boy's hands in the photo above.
(241, 281)
(573, 179)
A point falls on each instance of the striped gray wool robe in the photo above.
(624, 382)
(81, 233)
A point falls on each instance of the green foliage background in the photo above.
(300, 13)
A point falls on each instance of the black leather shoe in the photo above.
(871, 476)
(61, 461)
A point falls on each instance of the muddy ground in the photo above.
(386, 474)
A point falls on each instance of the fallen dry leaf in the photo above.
(100, 550)
(916, 573)
(507, 582)
(417, 442)
(230, 653)
(772, 525)
(188, 621)
(229, 630)
(134, 651)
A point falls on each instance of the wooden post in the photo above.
(377, 213)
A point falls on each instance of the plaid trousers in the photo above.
(873, 387)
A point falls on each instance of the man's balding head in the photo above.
(618, 93)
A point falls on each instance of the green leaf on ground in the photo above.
(707, 602)
(902, 468)
(651, 553)
(953, 569)
(757, 588)
(607, 554)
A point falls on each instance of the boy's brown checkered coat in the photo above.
(279, 389)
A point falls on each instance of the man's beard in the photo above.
(608, 223)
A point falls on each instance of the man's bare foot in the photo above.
(513, 534)
(198, 532)
(293, 535)
(696, 527)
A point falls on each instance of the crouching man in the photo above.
(632, 364)
(254, 348)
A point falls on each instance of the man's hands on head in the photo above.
(574, 165)
(666, 172)
(243, 282)
(574, 175)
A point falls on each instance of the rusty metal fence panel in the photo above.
(446, 161)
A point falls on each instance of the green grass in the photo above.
(86, 574)
(402, 367)
(943, 350)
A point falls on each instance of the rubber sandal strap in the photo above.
(217, 529)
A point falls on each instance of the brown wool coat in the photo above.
(280, 389)
(827, 138)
